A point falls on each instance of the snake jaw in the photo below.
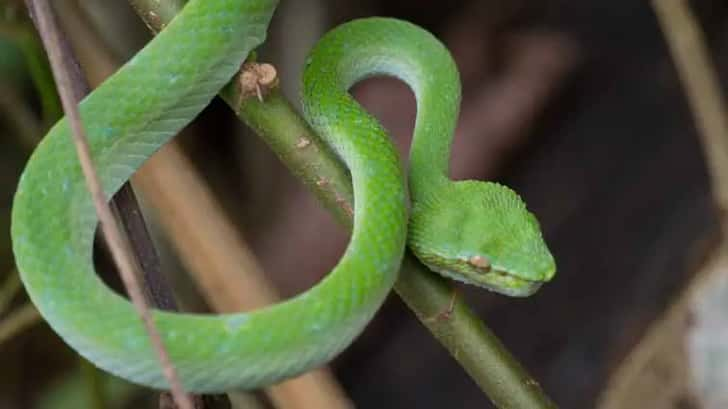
(495, 280)
(481, 270)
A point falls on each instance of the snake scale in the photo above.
(477, 232)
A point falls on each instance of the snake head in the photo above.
(481, 233)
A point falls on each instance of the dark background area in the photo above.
(613, 169)
(606, 155)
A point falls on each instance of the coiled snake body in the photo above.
(477, 232)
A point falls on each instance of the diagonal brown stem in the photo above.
(43, 16)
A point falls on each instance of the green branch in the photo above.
(460, 331)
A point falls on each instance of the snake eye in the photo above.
(480, 262)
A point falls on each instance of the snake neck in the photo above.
(400, 50)
(436, 85)
(429, 164)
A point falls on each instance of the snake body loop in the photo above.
(158, 92)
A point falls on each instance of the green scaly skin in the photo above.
(159, 91)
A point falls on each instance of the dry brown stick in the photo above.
(700, 81)
(42, 14)
(18, 320)
(9, 289)
(124, 203)
(702, 88)
(126, 207)
(219, 259)
(209, 244)
(211, 249)
(643, 374)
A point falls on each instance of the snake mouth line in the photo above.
(497, 281)
(516, 286)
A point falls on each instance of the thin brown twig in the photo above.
(120, 249)
(124, 203)
(220, 261)
(649, 367)
(216, 255)
(126, 207)
(18, 320)
(9, 289)
(702, 88)
(699, 79)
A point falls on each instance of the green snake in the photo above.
(477, 232)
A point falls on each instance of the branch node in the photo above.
(303, 142)
(257, 80)
(445, 314)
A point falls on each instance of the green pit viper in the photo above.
(477, 232)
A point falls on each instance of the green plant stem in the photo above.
(25, 39)
(93, 381)
(431, 298)
(40, 73)
(18, 320)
